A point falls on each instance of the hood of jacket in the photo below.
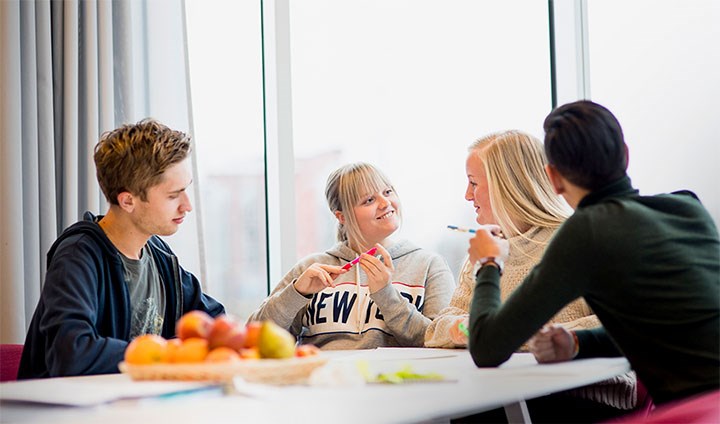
(89, 227)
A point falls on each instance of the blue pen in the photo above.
(497, 233)
(462, 230)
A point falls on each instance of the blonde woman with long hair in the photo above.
(508, 188)
(386, 299)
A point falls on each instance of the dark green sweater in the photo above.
(648, 266)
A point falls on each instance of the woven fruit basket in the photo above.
(267, 371)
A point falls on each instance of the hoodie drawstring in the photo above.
(361, 304)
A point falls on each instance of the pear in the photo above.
(275, 341)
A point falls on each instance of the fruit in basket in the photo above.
(146, 349)
(275, 341)
(252, 333)
(306, 350)
(226, 331)
(193, 349)
(250, 353)
(222, 354)
(194, 324)
(172, 348)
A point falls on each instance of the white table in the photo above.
(468, 390)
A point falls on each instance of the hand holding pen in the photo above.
(350, 264)
(378, 271)
(489, 242)
(486, 244)
(495, 230)
(317, 277)
(459, 331)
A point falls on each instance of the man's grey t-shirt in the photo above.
(147, 294)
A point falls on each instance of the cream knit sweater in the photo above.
(525, 251)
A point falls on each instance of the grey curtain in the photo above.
(70, 71)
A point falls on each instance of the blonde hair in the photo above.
(519, 189)
(344, 189)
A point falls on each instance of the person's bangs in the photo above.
(367, 183)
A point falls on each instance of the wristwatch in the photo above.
(491, 261)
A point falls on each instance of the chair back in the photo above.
(645, 403)
(703, 408)
(699, 409)
(10, 361)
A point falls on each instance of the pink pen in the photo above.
(349, 265)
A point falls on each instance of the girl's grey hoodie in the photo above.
(348, 316)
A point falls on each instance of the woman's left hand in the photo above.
(378, 272)
(458, 335)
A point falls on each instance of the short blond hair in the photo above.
(344, 189)
(520, 191)
(134, 157)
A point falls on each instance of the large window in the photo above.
(224, 48)
(408, 86)
(655, 64)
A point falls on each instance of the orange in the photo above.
(222, 354)
(252, 333)
(250, 353)
(146, 349)
(172, 347)
(193, 349)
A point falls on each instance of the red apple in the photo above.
(227, 332)
(306, 350)
(194, 324)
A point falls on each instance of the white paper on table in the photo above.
(88, 391)
(402, 353)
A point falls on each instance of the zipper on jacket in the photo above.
(178, 288)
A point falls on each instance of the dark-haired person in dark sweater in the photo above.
(648, 266)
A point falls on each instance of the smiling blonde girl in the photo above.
(385, 300)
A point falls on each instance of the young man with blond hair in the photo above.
(111, 278)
